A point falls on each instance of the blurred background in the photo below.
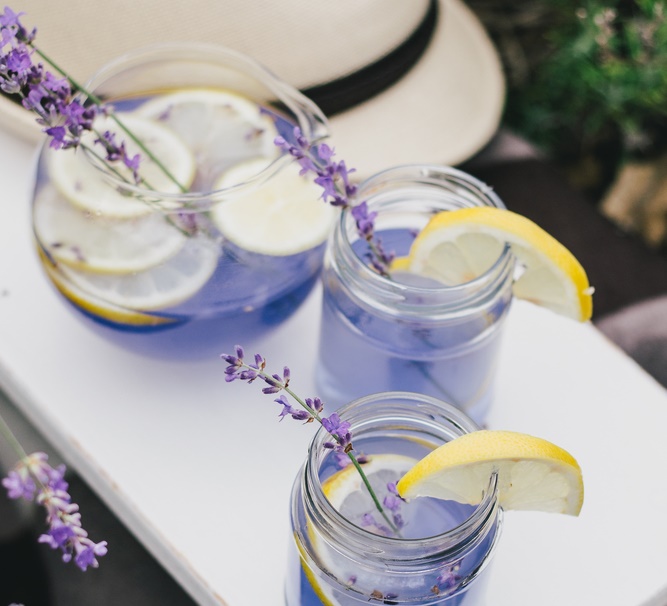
(587, 84)
(587, 89)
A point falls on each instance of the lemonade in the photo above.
(411, 332)
(236, 233)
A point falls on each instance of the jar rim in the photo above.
(311, 119)
(429, 407)
(432, 176)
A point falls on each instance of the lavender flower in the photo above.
(334, 179)
(339, 431)
(448, 579)
(393, 502)
(62, 107)
(369, 521)
(34, 479)
(308, 410)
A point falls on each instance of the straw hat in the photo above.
(436, 97)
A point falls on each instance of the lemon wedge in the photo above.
(82, 184)
(282, 216)
(459, 245)
(533, 474)
(159, 287)
(100, 244)
(221, 128)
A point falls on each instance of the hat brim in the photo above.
(444, 110)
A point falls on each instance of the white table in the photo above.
(201, 471)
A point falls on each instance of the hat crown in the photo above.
(305, 42)
(308, 43)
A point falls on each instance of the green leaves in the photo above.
(605, 76)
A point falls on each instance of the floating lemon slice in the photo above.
(347, 493)
(159, 287)
(284, 215)
(96, 243)
(84, 185)
(460, 245)
(533, 474)
(322, 593)
(221, 128)
(96, 307)
(349, 496)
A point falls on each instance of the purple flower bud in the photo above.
(57, 134)
(301, 415)
(391, 502)
(307, 166)
(334, 425)
(325, 152)
(87, 557)
(314, 404)
(65, 532)
(287, 408)
(10, 19)
(57, 536)
(19, 486)
(232, 360)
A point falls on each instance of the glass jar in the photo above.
(380, 334)
(142, 258)
(444, 547)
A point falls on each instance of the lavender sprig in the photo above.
(337, 189)
(310, 410)
(57, 100)
(33, 479)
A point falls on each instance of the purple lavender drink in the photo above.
(409, 333)
(342, 554)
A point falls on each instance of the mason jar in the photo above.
(343, 554)
(403, 332)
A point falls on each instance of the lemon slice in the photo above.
(533, 474)
(460, 245)
(98, 244)
(220, 127)
(347, 493)
(322, 593)
(284, 215)
(159, 287)
(84, 186)
(96, 307)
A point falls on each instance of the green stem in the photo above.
(167, 216)
(349, 453)
(11, 439)
(99, 102)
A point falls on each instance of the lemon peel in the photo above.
(459, 245)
